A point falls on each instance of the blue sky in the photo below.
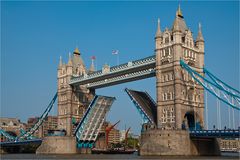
(35, 34)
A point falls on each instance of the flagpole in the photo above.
(118, 59)
(96, 63)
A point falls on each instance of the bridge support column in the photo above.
(58, 145)
(176, 142)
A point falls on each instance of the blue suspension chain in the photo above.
(193, 73)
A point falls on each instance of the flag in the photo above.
(115, 52)
(93, 57)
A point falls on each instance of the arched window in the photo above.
(170, 76)
(166, 77)
(183, 39)
(162, 78)
(167, 40)
(165, 96)
(171, 96)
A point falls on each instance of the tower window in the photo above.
(167, 51)
(169, 96)
(167, 40)
(166, 77)
(185, 53)
(183, 39)
(165, 96)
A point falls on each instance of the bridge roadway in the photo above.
(193, 134)
(25, 146)
(131, 71)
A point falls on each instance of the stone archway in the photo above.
(191, 121)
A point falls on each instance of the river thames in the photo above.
(117, 156)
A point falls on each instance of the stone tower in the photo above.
(72, 101)
(180, 100)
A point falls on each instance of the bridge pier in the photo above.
(176, 142)
(58, 145)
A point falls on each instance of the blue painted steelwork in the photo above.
(80, 126)
(16, 143)
(22, 132)
(7, 135)
(40, 120)
(145, 117)
(29, 134)
(223, 85)
(209, 86)
(87, 130)
(214, 77)
(215, 133)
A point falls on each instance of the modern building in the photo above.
(114, 136)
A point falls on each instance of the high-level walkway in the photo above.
(131, 71)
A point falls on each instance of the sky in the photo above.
(35, 34)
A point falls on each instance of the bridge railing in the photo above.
(215, 133)
(115, 69)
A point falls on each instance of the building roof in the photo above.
(10, 121)
(179, 23)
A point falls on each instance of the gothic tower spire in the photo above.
(76, 51)
(179, 12)
(69, 59)
(60, 61)
(92, 68)
(179, 23)
(200, 36)
(158, 33)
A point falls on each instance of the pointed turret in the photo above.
(179, 12)
(92, 68)
(179, 23)
(60, 61)
(200, 40)
(76, 51)
(200, 36)
(176, 26)
(78, 64)
(158, 33)
(69, 59)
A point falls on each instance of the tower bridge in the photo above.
(174, 120)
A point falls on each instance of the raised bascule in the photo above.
(173, 125)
